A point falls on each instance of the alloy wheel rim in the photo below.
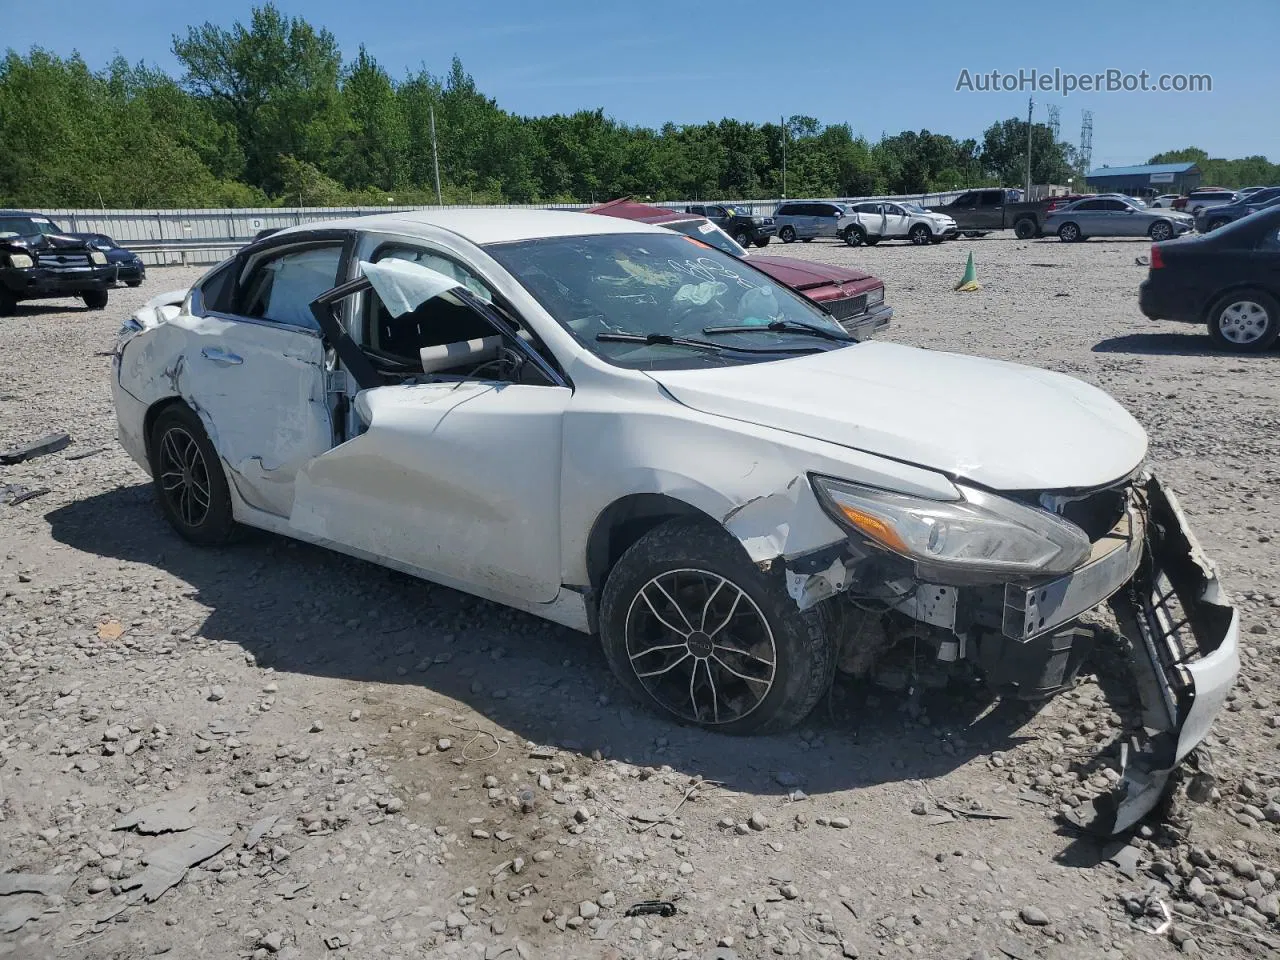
(700, 646)
(1243, 322)
(919, 235)
(1160, 232)
(184, 476)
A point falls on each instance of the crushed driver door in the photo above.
(457, 479)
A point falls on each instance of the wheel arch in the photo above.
(626, 520)
(1240, 285)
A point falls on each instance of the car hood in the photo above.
(802, 274)
(1000, 425)
(44, 241)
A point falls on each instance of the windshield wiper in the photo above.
(773, 326)
(667, 340)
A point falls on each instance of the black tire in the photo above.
(95, 299)
(1244, 321)
(920, 235)
(972, 234)
(133, 283)
(1070, 233)
(742, 238)
(787, 234)
(1160, 231)
(178, 442)
(801, 643)
(1025, 229)
(8, 303)
(855, 236)
(1217, 224)
(763, 242)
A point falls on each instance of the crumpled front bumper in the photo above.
(1184, 636)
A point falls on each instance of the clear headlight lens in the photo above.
(98, 257)
(875, 296)
(980, 533)
(20, 261)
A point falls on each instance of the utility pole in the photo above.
(1031, 105)
(783, 124)
(435, 156)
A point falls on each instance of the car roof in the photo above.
(486, 225)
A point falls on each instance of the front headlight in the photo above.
(128, 330)
(98, 257)
(980, 533)
(21, 261)
(875, 296)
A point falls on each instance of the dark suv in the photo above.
(38, 261)
(738, 222)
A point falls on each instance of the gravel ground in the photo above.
(363, 765)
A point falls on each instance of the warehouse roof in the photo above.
(1141, 170)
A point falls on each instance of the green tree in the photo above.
(1004, 153)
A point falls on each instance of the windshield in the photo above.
(664, 285)
(707, 232)
(26, 226)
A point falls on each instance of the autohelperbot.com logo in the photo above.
(1064, 82)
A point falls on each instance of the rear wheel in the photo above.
(95, 299)
(855, 236)
(690, 625)
(188, 478)
(1160, 230)
(1069, 233)
(1024, 229)
(1245, 321)
(787, 234)
(920, 235)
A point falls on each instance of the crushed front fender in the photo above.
(1184, 651)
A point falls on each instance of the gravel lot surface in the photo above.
(357, 764)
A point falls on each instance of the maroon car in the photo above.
(855, 298)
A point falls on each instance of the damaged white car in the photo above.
(626, 431)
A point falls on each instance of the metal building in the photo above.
(1147, 180)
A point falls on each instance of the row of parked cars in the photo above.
(39, 260)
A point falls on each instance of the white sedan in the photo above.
(624, 430)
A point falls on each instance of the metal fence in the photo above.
(204, 235)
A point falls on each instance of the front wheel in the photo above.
(690, 625)
(920, 235)
(1160, 230)
(787, 235)
(188, 478)
(1024, 229)
(1245, 321)
(742, 238)
(95, 299)
(855, 236)
(1068, 233)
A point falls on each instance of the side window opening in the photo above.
(397, 344)
(281, 289)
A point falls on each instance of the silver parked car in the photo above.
(1114, 217)
(806, 219)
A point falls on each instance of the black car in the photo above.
(1228, 280)
(738, 222)
(38, 261)
(130, 269)
(1211, 218)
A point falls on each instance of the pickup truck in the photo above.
(738, 222)
(38, 260)
(978, 212)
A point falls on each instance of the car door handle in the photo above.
(218, 355)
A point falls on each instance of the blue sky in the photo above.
(881, 67)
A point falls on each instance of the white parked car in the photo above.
(624, 430)
(1164, 201)
(876, 220)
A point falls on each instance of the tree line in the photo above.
(269, 113)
